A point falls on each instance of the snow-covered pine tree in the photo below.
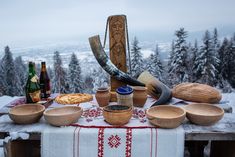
(155, 66)
(10, 75)
(226, 66)
(169, 75)
(75, 79)
(190, 61)
(59, 79)
(232, 65)
(171, 55)
(136, 59)
(21, 72)
(206, 62)
(50, 72)
(195, 54)
(178, 68)
(215, 41)
(215, 47)
(150, 66)
(225, 58)
(99, 79)
(3, 85)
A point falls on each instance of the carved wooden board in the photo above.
(117, 46)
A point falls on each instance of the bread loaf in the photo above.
(196, 92)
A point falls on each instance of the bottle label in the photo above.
(34, 79)
(35, 96)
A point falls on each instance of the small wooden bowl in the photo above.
(203, 113)
(63, 116)
(26, 113)
(166, 116)
(117, 114)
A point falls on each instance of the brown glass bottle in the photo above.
(32, 89)
(44, 82)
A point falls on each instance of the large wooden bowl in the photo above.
(63, 116)
(203, 113)
(27, 113)
(117, 114)
(166, 116)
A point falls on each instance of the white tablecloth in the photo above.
(110, 142)
(101, 142)
(92, 136)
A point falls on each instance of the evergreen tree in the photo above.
(206, 62)
(3, 85)
(150, 66)
(195, 54)
(215, 41)
(75, 83)
(10, 75)
(99, 79)
(59, 79)
(136, 59)
(178, 65)
(225, 58)
(155, 65)
(232, 62)
(215, 47)
(190, 61)
(50, 72)
(171, 55)
(226, 66)
(21, 72)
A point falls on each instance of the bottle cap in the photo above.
(124, 90)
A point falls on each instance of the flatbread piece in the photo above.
(75, 98)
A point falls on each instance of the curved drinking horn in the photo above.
(107, 65)
(155, 88)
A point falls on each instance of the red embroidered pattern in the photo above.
(101, 142)
(128, 142)
(92, 113)
(139, 114)
(114, 141)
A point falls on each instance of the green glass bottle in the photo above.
(32, 89)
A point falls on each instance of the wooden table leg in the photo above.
(222, 149)
(22, 148)
(196, 148)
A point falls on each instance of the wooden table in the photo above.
(220, 137)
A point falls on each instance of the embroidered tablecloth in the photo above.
(111, 142)
(93, 137)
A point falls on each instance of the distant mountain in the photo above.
(148, 41)
(82, 50)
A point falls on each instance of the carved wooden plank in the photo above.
(117, 46)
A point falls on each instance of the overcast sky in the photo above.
(37, 22)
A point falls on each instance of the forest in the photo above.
(209, 60)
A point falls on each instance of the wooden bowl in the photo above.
(63, 116)
(166, 116)
(117, 114)
(203, 113)
(27, 113)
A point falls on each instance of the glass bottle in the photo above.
(32, 89)
(44, 82)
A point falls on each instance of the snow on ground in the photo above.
(226, 97)
(230, 97)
